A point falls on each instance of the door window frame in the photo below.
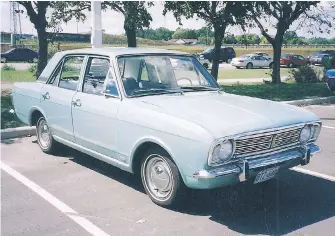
(111, 68)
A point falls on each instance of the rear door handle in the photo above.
(46, 96)
(76, 103)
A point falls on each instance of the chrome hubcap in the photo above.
(158, 177)
(44, 134)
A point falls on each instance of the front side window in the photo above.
(95, 75)
(158, 74)
(70, 73)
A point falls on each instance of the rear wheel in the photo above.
(35, 60)
(290, 65)
(3, 59)
(271, 65)
(44, 136)
(161, 179)
(229, 61)
(249, 65)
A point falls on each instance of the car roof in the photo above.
(118, 51)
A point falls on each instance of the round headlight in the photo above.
(222, 152)
(305, 134)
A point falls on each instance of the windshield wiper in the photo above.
(156, 90)
(199, 88)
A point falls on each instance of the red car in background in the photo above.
(293, 60)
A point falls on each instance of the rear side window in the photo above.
(70, 73)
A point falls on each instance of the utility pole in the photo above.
(96, 30)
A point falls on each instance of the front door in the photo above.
(95, 109)
(57, 96)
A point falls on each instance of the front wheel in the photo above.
(271, 65)
(290, 65)
(44, 137)
(229, 61)
(161, 179)
(249, 65)
(205, 65)
(3, 59)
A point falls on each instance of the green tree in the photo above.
(284, 13)
(229, 39)
(289, 37)
(37, 13)
(217, 14)
(135, 15)
(184, 34)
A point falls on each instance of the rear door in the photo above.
(57, 95)
(95, 107)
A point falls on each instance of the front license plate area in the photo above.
(266, 174)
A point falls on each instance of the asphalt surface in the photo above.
(114, 202)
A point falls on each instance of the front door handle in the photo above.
(76, 103)
(46, 96)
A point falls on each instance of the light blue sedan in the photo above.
(173, 126)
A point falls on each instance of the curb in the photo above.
(17, 132)
(312, 101)
(30, 130)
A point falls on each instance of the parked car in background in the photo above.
(320, 59)
(330, 79)
(262, 54)
(331, 52)
(173, 127)
(293, 60)
(226, 54)
(205, 62)
(250, 61)
(19, 54)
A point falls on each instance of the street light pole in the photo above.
(96, 31)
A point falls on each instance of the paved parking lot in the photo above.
(74, 194)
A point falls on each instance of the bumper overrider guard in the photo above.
(249, 166)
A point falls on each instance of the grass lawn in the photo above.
(248, 73)
(280, 92)
(12, 76)
(8, 120)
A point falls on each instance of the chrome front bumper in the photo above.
(243, 168)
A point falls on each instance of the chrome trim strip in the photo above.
(238, 167)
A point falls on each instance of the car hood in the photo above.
(331, 73)
(224, 114)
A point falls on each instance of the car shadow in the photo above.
(277, 207)
(101, 167)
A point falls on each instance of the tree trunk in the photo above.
(216, 58)
(276, 60)
(42, 51)
(131, 37)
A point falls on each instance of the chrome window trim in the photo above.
(258, 133)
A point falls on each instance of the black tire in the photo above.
(249, 65)
(52, 145)
(205, 65)
(290, 65)
(3, 59)
(237, 67)
(271, 65)
(178, 190)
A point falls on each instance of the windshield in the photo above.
(161, 74)
(208, 50)
(285, 56)
(245, 56)
(8, 51)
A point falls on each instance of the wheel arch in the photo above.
(141, 147)
(34, 114)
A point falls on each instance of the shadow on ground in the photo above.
(278, 207)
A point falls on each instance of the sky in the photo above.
(112, 23)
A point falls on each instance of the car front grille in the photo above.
(265, 142)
